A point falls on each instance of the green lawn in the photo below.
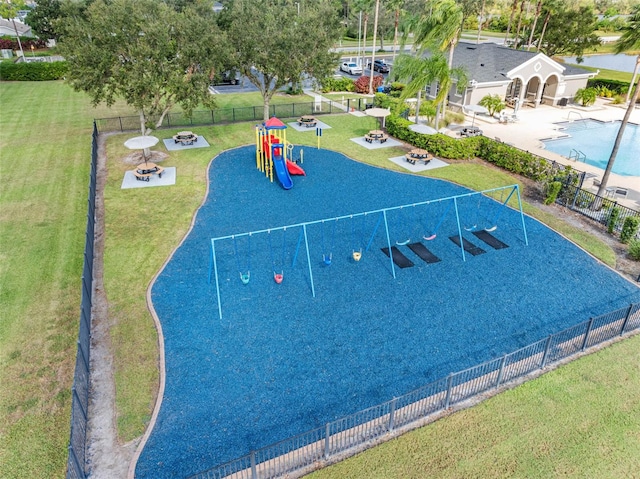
(45, 140)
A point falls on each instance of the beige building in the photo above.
(531, 78)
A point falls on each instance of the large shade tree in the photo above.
(568, 31)
(42, 19)
(274, 46)
(147, 53)
(628, 41)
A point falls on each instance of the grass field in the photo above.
(45, 140)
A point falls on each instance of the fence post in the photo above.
(626, 319)
(254, 473)
(392, 412)
(546, 352)
(327, 435)
(212, 117)
(586, 335)
(348, 104)
(233, 110)
(448, 398)
(504, 360)
(121, 129)
(575, 197)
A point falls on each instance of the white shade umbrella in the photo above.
(424, 129)
(141, 143)
(475, 109)
(378, 113)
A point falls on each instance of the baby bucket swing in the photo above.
(244, 277)
(278, 277)
(356, 252)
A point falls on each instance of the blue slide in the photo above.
(282, 172)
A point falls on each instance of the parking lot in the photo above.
(245, 86)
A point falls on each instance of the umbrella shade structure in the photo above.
(378, 113)
(475, 109)
(424, 129)
(142, 143)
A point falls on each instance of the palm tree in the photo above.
(514, 7)
(439, 26)
(396, 6)
(629, 40)
(420, 71)
(535, 22)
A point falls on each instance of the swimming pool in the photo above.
(595, 139)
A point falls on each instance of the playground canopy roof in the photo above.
(274, 124)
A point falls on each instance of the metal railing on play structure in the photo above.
(382, 220)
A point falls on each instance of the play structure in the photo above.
(273, 153)
(396, 228)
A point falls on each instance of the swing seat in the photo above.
(245, 278)
(326, 259)
(357, 255)
(278, 277)
(429, 238)
(403, 243)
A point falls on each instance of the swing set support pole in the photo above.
(373, 235)
(524, 228)
(215, 269)
(386, 227)
(455, 205)
(306, 244)
(295, 256)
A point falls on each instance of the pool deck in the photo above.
(538, 123)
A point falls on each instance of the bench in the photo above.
(147, 176)
(185, 138)
(370, 139)
(413, 160)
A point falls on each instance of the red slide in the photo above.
(295, 169)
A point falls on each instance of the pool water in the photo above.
(595, 139)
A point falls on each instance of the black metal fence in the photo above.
(594, 207)
(233, 115)
(353, 433)
(77, 461)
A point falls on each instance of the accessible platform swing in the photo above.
(392, 250)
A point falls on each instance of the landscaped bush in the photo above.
(634, 249)
(616, 86)
(613, 220)
(330, 84)
(41, 71)
(9, 43)
(629, 228)
(553, 189)
(362, 83)
(586, 96)
(517, 161)
(439, 145)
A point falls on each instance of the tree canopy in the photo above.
(147, 53)
(569, 31)
(275, 46)
(43, 17)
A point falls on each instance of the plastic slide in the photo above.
(295, 169)
(281, 172)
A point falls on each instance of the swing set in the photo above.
(328, 227)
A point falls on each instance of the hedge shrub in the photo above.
(330, 84)
(40, 71)
(629, 228)
(613, 85)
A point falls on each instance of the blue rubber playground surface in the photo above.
(281, 362)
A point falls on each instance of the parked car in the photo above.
(379, 66)
(229, 77)
(351, 68)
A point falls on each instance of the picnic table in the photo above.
(144, 171)
(418, 154)
(470, 131)
(185, 138)
(376, 135)
(307, 120)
